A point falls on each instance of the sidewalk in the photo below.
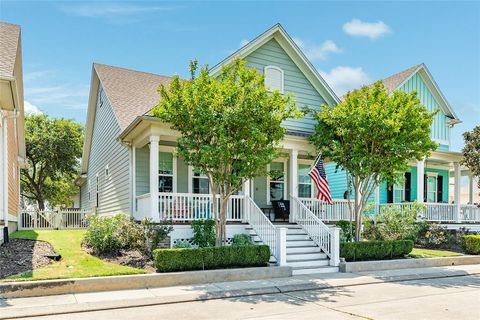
(67, 303)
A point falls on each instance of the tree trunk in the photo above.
(41, 204)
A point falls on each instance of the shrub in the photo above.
(434, 236)
(102, 233)
(182, 244)
(375, 250)
(156, 233)
(242, 240)
(167, 260)
(472, 244)
(345, 234)
(204, 232)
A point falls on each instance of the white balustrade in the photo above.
(469, 213)
(339, 210)
(440, 212)
(265, 229)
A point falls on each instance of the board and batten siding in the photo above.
(440, 131)
(114, 191)
(295, 82)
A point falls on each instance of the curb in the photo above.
(381, 265)
(141, 281)
(221, 294)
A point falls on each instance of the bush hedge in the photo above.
(375, 250)
(471, 244)
(184, 259)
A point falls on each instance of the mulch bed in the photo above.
(19, 256)
(130, 258)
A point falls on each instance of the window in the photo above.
(304, 182)
(165, 172)
(431, 188)
(107, 172)
(200, 183)
(97, 193)
(274, 78)
(276, 183)
(89, 191)
(399, 191)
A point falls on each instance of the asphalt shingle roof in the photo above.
(9, 41)
(392, 82)
(131, 93)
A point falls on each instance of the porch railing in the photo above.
(339, 210)
(326, 238)
(189, 207)
(263, 227)
(469, 213)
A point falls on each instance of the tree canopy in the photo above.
(53, 149)
(471, 152)
(372, 134)
(230, 125)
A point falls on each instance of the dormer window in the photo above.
(274, 78)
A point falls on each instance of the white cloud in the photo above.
(359, 28)
(316, 52)
(344, 78)
(31, 109)
(110, 10)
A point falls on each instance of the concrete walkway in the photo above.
(82, 302)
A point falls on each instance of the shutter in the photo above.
(439, 188)
(408, 186)
(424, 188)
(389, 193)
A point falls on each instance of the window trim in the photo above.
(435, 175)
(172, 150)
(394, 188)
(282, 89)
(97, 191)
(107, 172)
(190, 181)
(285, 179)
(312, 189)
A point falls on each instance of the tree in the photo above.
(372, 135)
(230, 126)
(471, 152)
(53, 147)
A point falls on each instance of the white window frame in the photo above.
(97, 191)
(282, 88)
(432, 174)
(285, 179)
(107, 172)
(310, 163)
(395, 188)
(173, 151)
(191, 176)
(89, 190)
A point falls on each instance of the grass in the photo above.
(431, 253)
(75, 262)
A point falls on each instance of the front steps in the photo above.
(303, 255)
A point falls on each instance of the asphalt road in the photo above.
(432, 299)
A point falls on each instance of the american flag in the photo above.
(318, 175)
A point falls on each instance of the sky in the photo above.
(350, 43)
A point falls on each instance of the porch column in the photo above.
(2, 154)
(246, 193)
(420, 180)
(155, 214)
(293, 181)
(5, 171)
(456, 189)
(377, 200)
(470, 188)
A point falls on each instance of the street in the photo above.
(441, 298)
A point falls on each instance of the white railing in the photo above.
(327, 239)
(339, 210)
(62, 219)
(142, 207)
(440, 212)
(182, 207)
(262, 226)
(469, 213)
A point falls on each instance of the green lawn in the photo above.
(75, 262)
(430, 253)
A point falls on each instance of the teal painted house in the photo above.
(426, 181)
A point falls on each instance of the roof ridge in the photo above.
(131, 70)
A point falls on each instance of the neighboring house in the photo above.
(130, 163)
(12, 140)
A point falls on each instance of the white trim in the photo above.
(107, 169)
(282, 80)
(190, 181)
(173, 151)
(285, 179)
(133, 177)
(434, 175)
(310, 163)
(394, 188)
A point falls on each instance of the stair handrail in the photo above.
(318, 231)
(262, 226)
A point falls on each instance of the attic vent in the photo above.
(274, 78)
(100, 97)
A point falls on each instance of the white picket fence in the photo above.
(53, 219)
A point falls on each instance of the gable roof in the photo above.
(395, 81)
(131, 93)
(278, 33)
(9, 42)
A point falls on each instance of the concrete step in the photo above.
(306, 256)
(303, 249)
(325, 269)
(308, 263)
